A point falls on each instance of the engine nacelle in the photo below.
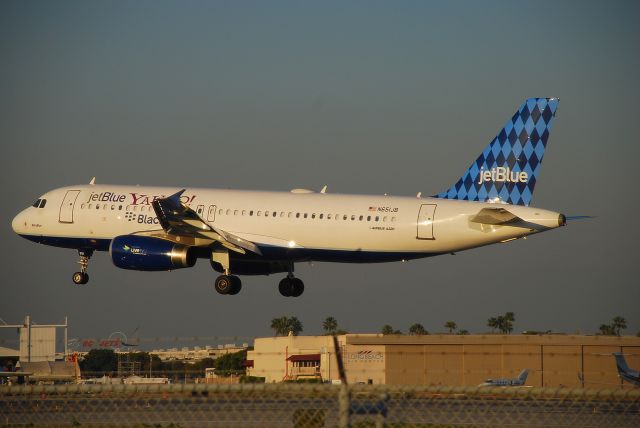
(150, 254)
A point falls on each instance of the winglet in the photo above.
(324, 189)
(93, 181)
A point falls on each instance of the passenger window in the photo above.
(377, 218)
(297, 215)
(259, 213)
(228, 211)
(281, 213)
(393, 219)
(290, 214)
(275, 214)
(361, 217)
(321, 215)
(368, 218)
(266, 214)
(120, 208)
(36, 203)
(43, 203)
(135, 208)
(353, 217)
(344, 217)
(113, 207)
(235, 212)
(306, 215)
(328, 216)
(384, 218)
(244, 212)
(89, 206)
(313, 215)
(98, 206)
(251, 213)
(82, 206)
(220, 211)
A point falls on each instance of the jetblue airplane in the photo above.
(625, 373)
(262, 233)
(519, 381)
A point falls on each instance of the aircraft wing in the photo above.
(178, 219)
(496, 216)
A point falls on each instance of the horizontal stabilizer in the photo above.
(496, 216)
(578, 217)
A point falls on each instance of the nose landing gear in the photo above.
(82, 277)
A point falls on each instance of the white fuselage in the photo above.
(300, 226)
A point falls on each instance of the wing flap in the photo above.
(178, 219)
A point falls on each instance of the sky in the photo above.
(364, 97)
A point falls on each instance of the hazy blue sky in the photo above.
(366, 97)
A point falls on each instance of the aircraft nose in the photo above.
(18, 223)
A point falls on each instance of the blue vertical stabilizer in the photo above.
(508, 168)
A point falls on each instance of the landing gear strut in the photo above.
(226, 283)
(82, 277)
(291, 286)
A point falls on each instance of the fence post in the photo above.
(344, 406)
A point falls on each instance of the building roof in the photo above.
(489, 339)
(51, 369)
(8, 352)
(305, 357)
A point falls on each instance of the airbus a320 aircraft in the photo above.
(262, 233)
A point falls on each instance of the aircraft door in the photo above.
(66, 209)
(425, 221)
(211, 215)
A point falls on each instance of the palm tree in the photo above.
(417, 330)
(607, 330)
(283, 325)
(618, 323)
(451, 326)
(279, 326)
(387, 329)
(330, 325)
(493, 323)
(294, 326)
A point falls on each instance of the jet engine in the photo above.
(150, 254)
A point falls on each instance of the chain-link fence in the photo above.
(314, 405)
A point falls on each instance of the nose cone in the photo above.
(18, 223)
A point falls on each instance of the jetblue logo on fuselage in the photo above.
(502, 174)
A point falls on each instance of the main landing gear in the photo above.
(82, 277)
(228, 284)
(291, 286)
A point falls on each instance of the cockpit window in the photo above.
(40, 203)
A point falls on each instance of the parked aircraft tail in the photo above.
(621, 362)
(522, 377)
(507, 170)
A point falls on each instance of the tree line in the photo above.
(100, 362)
(283, 326)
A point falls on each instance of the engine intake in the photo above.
(150, 254)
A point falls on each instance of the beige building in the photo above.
(552, 360)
